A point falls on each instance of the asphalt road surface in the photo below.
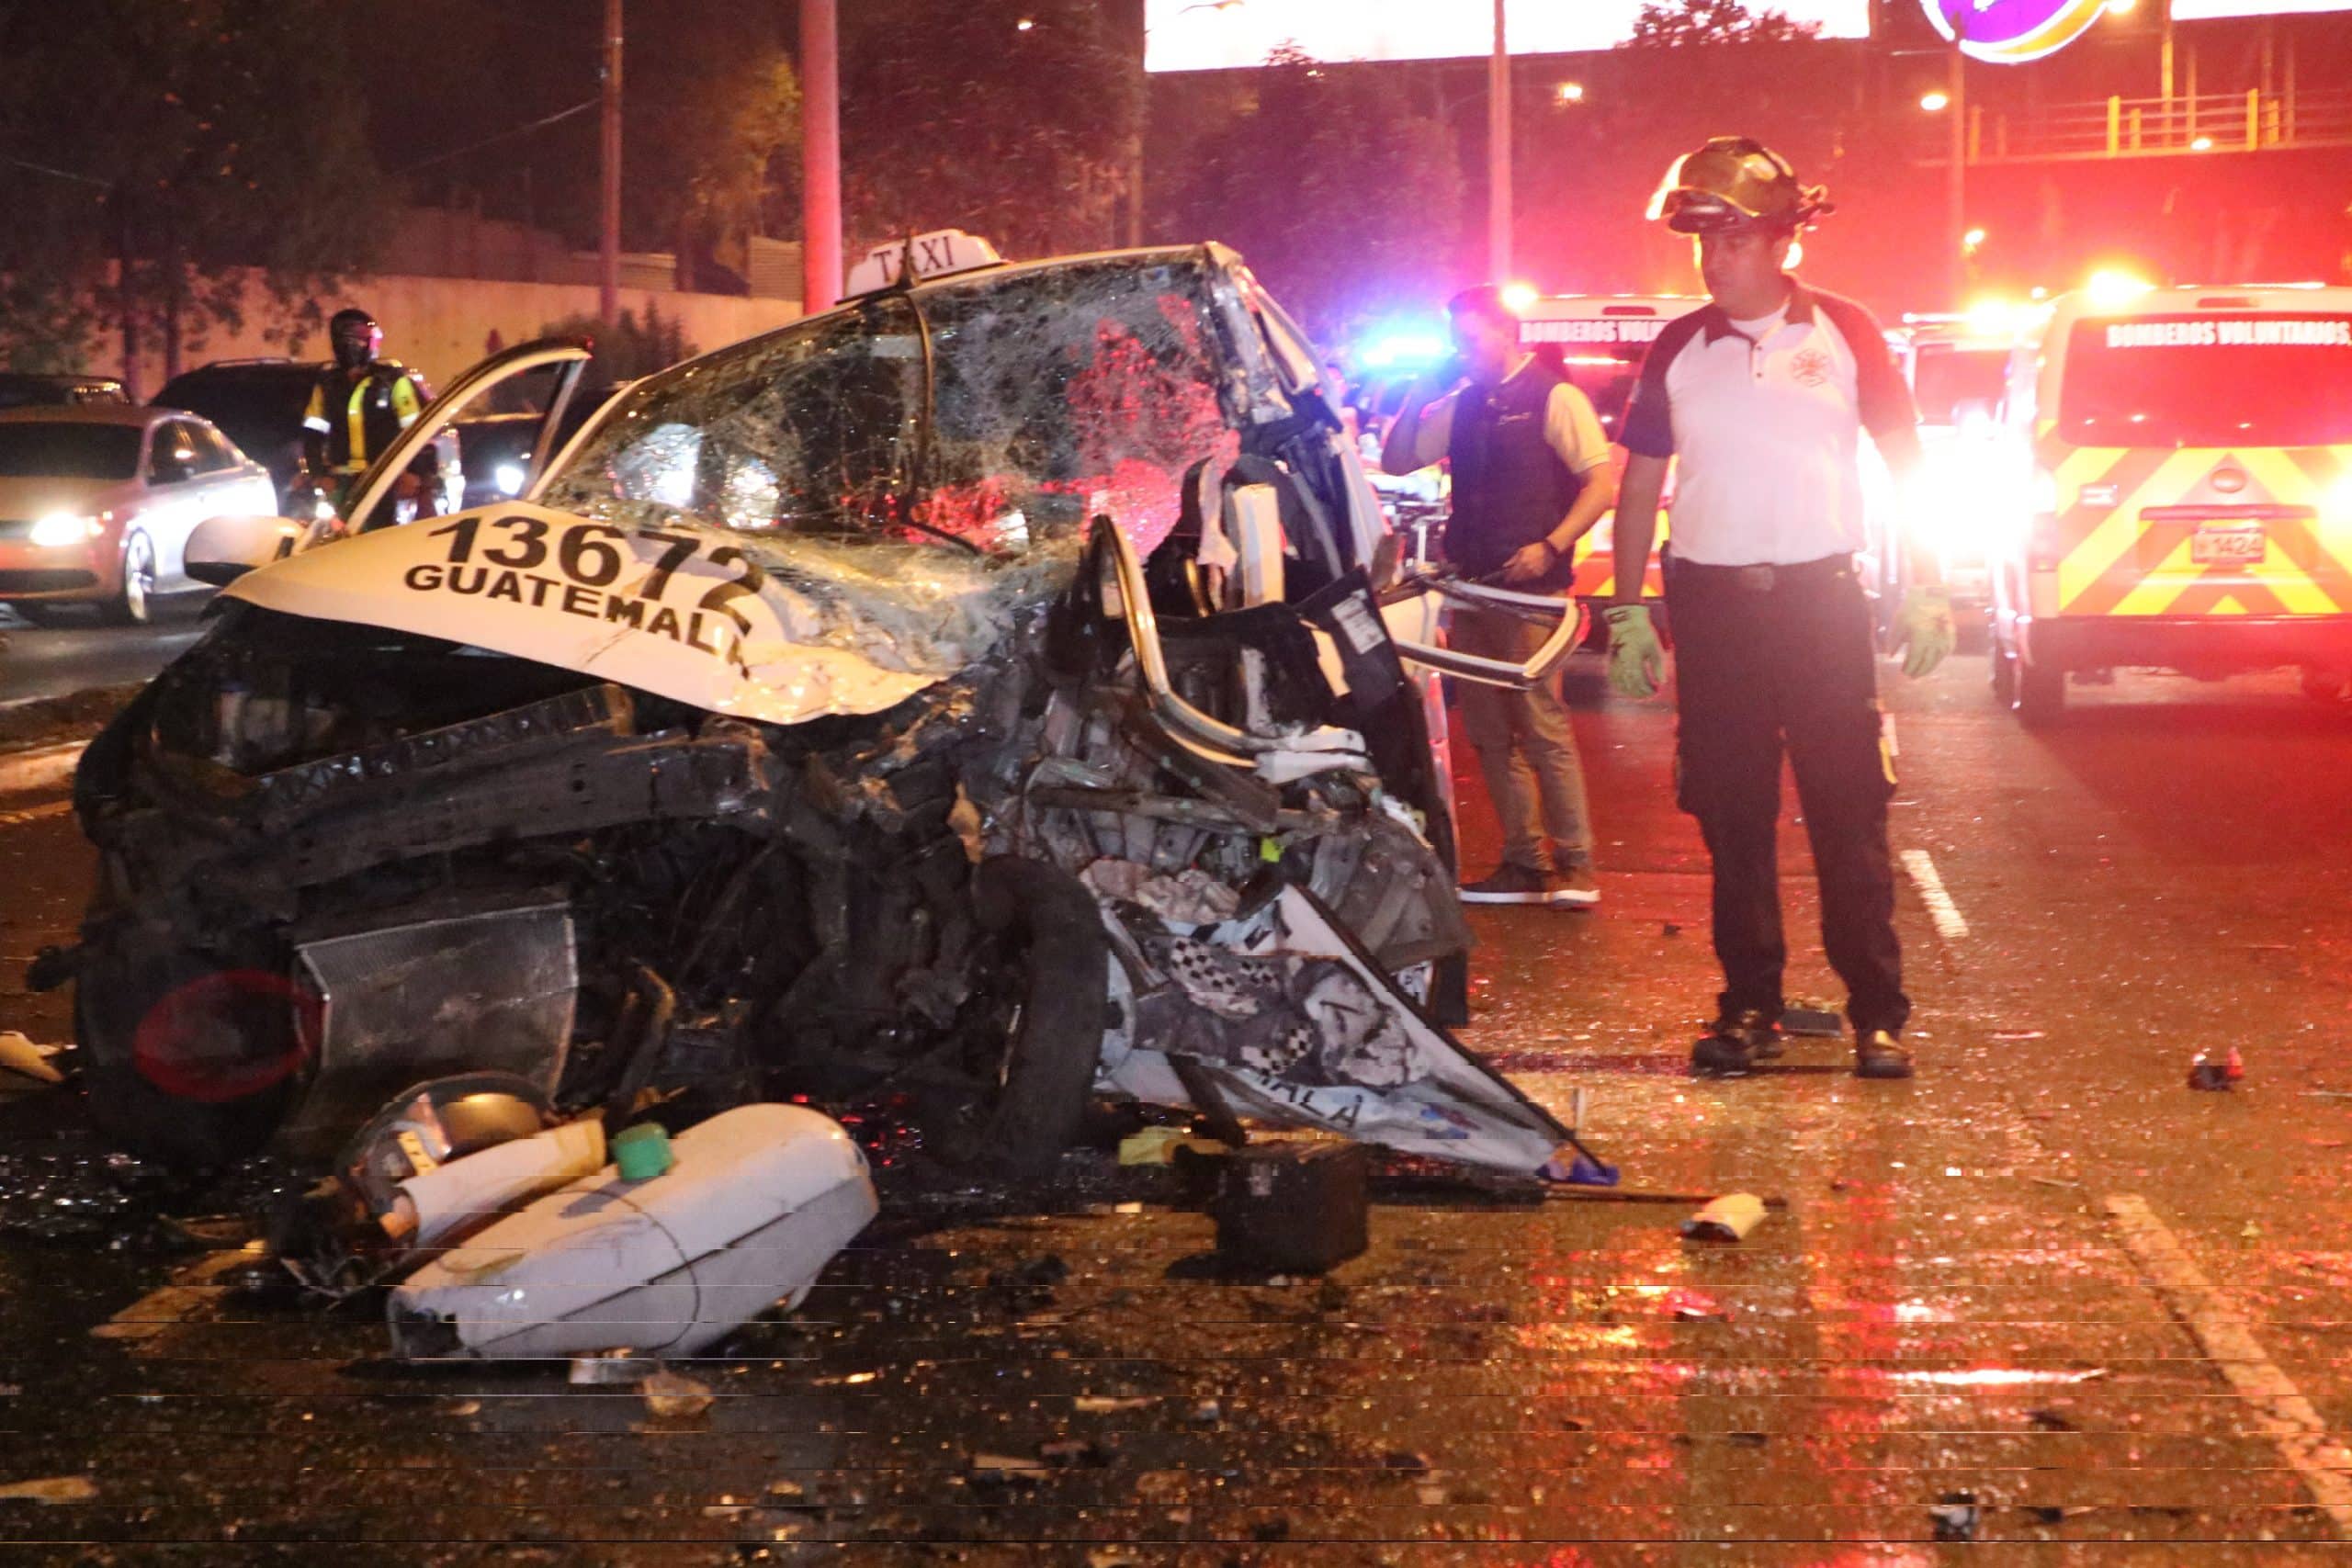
(2045, 1293)
(57, 662)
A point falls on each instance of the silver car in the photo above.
(96, 503)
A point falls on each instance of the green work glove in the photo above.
(1636, 662)
(1923, 629)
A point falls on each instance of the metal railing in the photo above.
(2184, 124)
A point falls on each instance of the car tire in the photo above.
(121, 978)
(2040, 693)
(134, 604)
(1053, 955)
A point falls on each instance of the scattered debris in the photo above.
(1812, 1022)
(1956, 1517)
(449, 1202)
(1160, 1146)
(1000, 1470)
(19, 1054)
(1295, 1206)
(2017, 1035)
(54, 1489)
(2049, 1421)
(611, 1367)
(1207, 1413)
(1691, 1306)
(673, 1396)
(2210, 1075)
(1728, 1219)
(1406, 1461)
(642, 1152)
(760, 1200)
(1110, 1404)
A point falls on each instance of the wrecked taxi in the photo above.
(998, 691)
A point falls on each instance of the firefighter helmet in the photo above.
(355, 337)
(1733, 181)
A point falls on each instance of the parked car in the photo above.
(97, 502)
(986, 691)
(259, 404)
(25, 388)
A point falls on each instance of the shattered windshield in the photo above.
(1054, 393)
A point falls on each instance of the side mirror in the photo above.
(222, 549)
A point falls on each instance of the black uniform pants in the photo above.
(1774, 657)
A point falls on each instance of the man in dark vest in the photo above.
(1532, 474)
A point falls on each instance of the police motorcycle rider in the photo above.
(1761, 399)
(358, 405)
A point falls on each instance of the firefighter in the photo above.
(358, 404)
(1760, 397)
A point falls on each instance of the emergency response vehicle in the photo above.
(1957, 366)
(2190, 500)
(1599, 341)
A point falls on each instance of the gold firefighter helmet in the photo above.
(1733, 181)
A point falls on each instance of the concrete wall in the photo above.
(441, 325)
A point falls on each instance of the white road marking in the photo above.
(2285, 1416)
(24, 772)
(1950, 924)
(190, 1294)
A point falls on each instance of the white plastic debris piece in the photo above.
(1728, 1218)
(761, 1198)
(53, 1489)
(612, 1366)
(466, 1194)
(1106, 1404)
(19, 1054)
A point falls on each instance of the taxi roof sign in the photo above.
(936, 255)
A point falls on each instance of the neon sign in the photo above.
(2010, 32)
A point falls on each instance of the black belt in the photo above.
(1766, 576)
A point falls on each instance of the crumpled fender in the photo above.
(688, 613)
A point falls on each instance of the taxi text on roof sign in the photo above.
(936, 255)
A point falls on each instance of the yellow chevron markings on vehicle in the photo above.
(2106, 547)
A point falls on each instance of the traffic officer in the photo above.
(358, 404)
(1760, 397)
(1531, 475)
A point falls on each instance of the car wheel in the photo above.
(1047, 973)
(182, 1062)
(134, 605)
(2041, 694)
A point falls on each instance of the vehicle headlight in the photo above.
(508, 478)
(66, 528)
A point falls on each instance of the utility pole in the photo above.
(608, 259)
(1499, 156)
(820, 155)
(1956, 181)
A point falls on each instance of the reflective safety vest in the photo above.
(376, 404)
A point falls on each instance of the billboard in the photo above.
(1221, 35)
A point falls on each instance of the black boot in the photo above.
(1736, 1042)
(1878, 1055)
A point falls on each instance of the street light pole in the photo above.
(1956, 179)
(820, 155)
(1498, 155)
(608, 256)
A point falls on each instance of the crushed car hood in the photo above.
(779, 630)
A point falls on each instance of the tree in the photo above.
(1683, 24)
(1011, 118)
(1345, 200)
(153, 147)
(472, 99)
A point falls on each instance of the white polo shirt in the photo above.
(1766, 431)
